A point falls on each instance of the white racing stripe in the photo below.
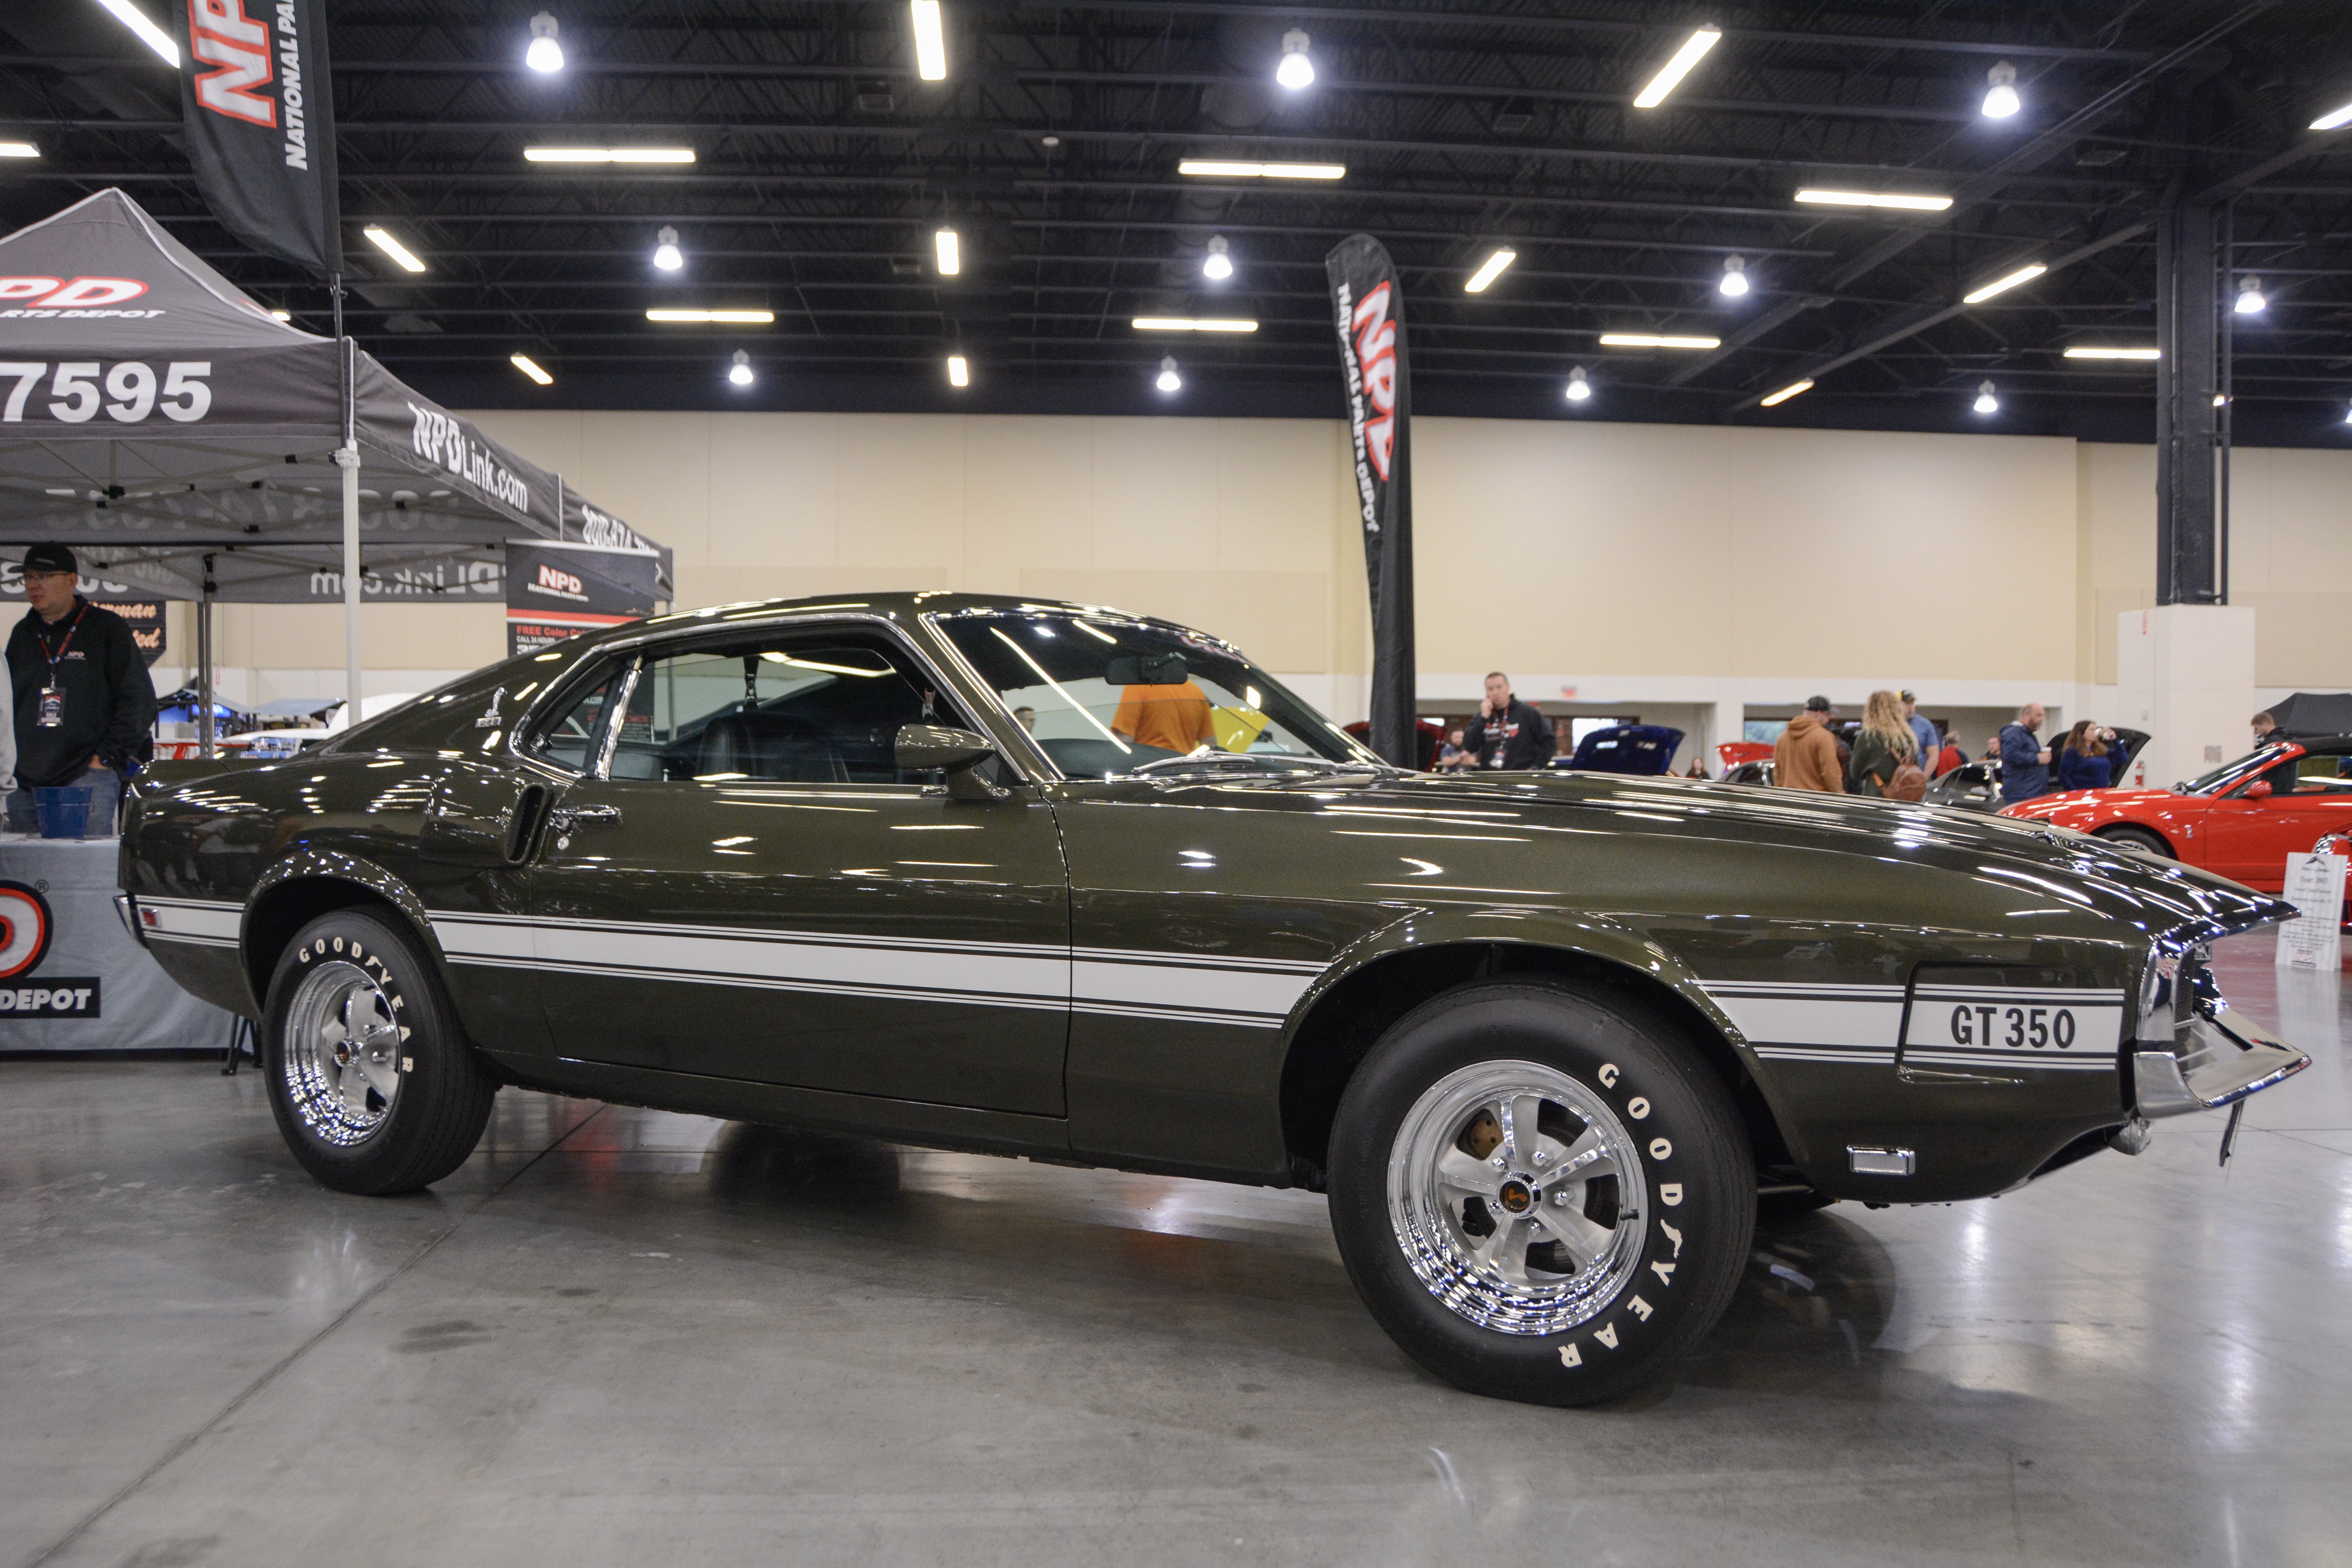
(1805, 1022)
(199, 923)
(1175, 988)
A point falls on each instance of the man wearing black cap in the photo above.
(84, 704)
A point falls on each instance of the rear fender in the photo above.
(295, 890)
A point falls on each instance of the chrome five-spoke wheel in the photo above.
(342, 1055)
(1518, 1198)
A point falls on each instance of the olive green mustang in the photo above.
(1045, 879)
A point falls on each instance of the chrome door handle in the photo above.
(564, 818)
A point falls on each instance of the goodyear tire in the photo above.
(1540, 1191)
(374, 1086)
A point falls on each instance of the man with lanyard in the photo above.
(84, 705)
(1508, 732)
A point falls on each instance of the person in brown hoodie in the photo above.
(1806, 755)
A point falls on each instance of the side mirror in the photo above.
(2259, 790)
(923, 747)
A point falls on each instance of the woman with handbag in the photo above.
(1885, 753)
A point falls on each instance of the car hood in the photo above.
(2098, 877)
(2052, 805)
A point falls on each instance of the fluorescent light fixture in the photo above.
(666, 255)
(949, 248)
(1794, 389)
(1169, 381)
(750, 318)
(281, 315)
(2333, 120)
(1579, 386)
(1191, 324)
(1735, 277)
(1226, 169)
(2002, 285)
(149, 33)
(19, 150)
(1670, 76)
(1296, 70)
(1219, 264)
(1488, 271)
(545, 54)
(959, 371)
(2001, 100)
(739, 371)
(1875, 199)
(1986, 402)
(931, 42)
(608, 154)
(1656, 340)
(2094, 351)
(529, 367)
(392, 248)
(2250, 296)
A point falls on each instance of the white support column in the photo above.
(2186, 675)
(348, 459)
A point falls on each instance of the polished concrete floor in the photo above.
(620, 1337)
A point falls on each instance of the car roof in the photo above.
(902, 605)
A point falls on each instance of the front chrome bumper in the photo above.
(2226, 1057)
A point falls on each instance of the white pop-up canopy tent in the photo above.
(184, 441)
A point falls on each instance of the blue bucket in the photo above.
(65, 812)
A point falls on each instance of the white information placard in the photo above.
(2314, 886)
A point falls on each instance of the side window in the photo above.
(567, 739)
(802, 708)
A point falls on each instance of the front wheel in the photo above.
(1540, 1191)
(2137, 838)
(375, 1088)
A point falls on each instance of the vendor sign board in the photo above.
(2314, 886)
(557, 590)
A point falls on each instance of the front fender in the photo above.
(1526, 940)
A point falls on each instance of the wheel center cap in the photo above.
(1517, 1196)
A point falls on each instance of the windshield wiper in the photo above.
(1216, 760)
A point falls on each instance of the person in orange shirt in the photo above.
(1173, 718)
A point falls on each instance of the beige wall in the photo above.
(1681, 555)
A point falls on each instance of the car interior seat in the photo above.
(770, 746)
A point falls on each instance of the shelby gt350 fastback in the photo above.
(1048, 881)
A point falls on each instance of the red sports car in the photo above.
(2242, 820)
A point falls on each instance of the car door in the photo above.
(2250, 836)
(746, 887)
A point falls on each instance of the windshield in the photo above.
(2231, 774)
(1106, 696)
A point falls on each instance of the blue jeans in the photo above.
(106, 793)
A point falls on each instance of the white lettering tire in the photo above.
(374, 1086)
(1540, 1191)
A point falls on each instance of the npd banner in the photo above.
(1368, 309)
(557, 590)
(257, 111)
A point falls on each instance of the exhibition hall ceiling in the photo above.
(800, 167)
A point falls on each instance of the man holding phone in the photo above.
(84, 705)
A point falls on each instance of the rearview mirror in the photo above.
(1157, 669)
(920, 748)
(2259, 790)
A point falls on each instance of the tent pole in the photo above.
(348, 459)
(205, 738)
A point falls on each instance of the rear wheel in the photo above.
(2138, 839)
(1538, 1192)
(374, 1087)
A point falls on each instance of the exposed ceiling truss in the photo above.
(823, 164)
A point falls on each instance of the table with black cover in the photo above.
(95, 988)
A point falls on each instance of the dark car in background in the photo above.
(1038, 879)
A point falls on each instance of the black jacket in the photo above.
(1520, 735)
(110, 704)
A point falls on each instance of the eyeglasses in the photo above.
(48, 576)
